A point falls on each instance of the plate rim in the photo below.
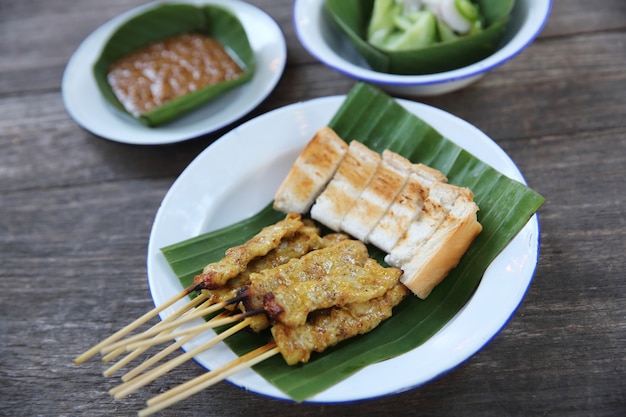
(79, 88)
(527, 239)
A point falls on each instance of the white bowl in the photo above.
(321, 39)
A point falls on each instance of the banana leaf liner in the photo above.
(351, 18)
(380, 122)
(165, 21)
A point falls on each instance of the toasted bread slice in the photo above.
(403, 210)
(353, 175)
(429, 174)
(311, 171)
(376, 198)
(439, 202)
(406, 207)
(434, 259)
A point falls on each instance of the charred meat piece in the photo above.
(237, 258)
(312, 266)
(339, 323)
(341, 284)
(304, 240)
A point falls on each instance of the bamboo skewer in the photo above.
(133, 325)
(123, 362)
(166, 336)
(202, 382)
(112, 355)
(211, 324)
(158, 357)
(128, 358)
(192, 315)
(163, 353)
(136, 352)
(129, 387)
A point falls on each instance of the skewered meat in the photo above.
(237, 258)
(303, 241)
(337, 324)
(312, 266)
(343, 283)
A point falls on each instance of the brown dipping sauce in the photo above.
(170, 68)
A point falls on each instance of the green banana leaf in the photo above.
(169, 20)
(380, 122)
(351, 17)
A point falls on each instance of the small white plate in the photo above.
(224, 185)
(88, 108)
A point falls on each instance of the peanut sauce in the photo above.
(162, 71)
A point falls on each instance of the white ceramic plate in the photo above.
(89, 109)
(225, 184)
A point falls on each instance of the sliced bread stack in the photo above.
(408, 210)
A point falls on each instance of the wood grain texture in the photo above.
(76, 213)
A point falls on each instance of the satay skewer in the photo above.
(211, 324)
(352, 260)
(134, 384)
(134, 325)
(356, 271)
(128, 358)
(234, 262)
(202, 382)
(351, 288)
(356, 265)
(324, 331)
(153, 331)
(153, 359)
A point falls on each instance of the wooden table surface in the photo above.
(76, 213)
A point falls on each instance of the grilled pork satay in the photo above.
(303, 241)
(312, 266)
(328, 277)
(237, 258)
(328, 328)
(343, 285)
(295, 344)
